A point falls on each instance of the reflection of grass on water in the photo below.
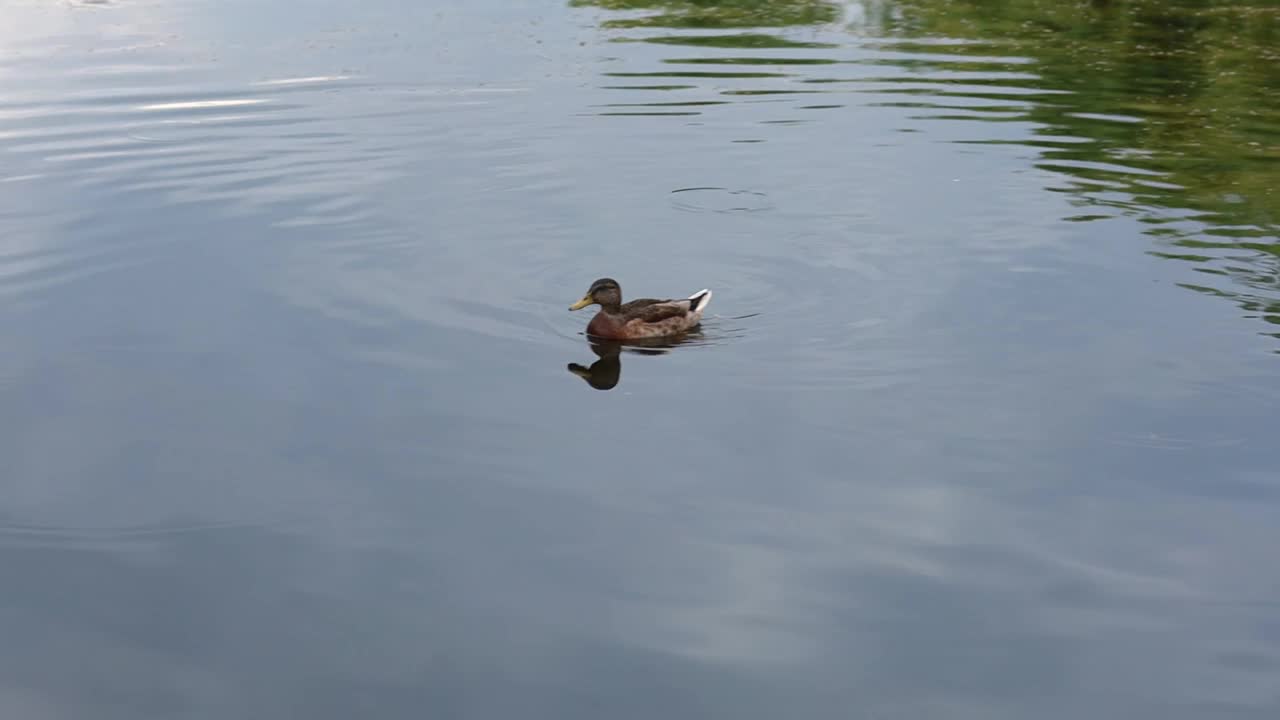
(737, 40)
(713, 14)
(1196, 80)
(1186, 92)
(1179, 101)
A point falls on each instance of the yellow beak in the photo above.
(585, 301)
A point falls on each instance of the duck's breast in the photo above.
(603, 326)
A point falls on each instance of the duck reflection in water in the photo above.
(604, 373)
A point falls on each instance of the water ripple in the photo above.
(149, 132)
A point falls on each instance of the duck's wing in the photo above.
(654, 311)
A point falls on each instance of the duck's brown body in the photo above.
(643, 319)
(639, 319)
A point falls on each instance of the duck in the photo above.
(639, 319)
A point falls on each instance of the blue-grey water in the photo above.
(980, 424)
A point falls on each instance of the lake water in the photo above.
(980, 424)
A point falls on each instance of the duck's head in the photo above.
(604, 292)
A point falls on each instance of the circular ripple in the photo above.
(719, 200)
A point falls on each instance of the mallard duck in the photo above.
(638, 319)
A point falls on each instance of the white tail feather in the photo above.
(700, 300)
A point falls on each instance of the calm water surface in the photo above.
(981, 423)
